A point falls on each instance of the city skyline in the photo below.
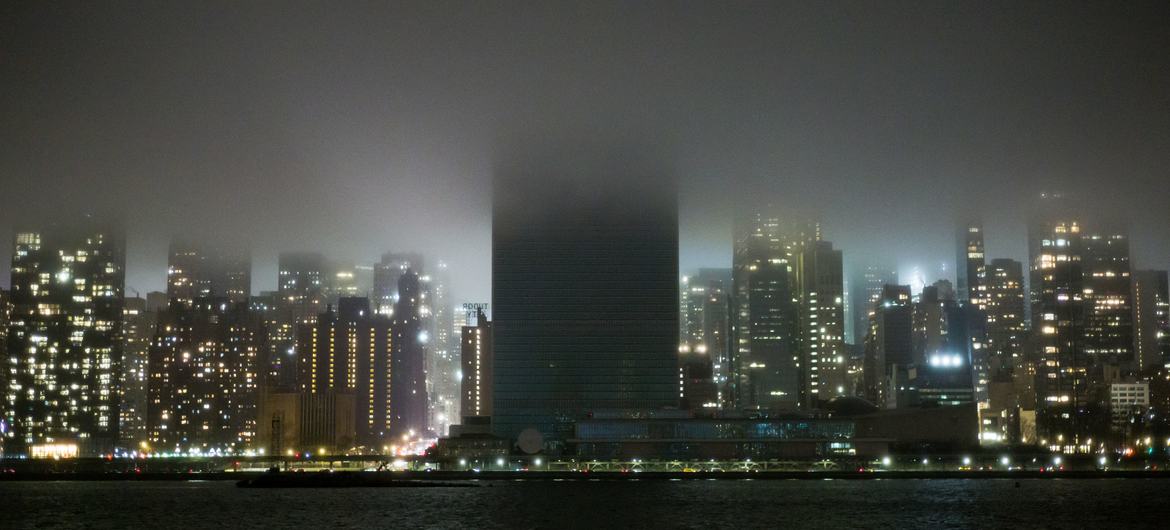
(584, 263)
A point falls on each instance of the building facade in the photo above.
(824, 358)
(65, 342)
(766, 309)
(204, 377)
(476, 370)
(1151, 317)
(138, 327)
(584, 292)
(204, 271)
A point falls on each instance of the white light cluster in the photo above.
(946, 360)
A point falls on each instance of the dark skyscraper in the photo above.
(970, 268)
(584, 292)
(1151, 310)
(864, 292)
(889, 345)
(408, 374)
(65, 342)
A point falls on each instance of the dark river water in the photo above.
(1106, 503)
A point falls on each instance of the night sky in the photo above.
(358, 128)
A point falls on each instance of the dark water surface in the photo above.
(1105, 503)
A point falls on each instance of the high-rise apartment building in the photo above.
(348, 352)
(300, 298)
(476, 359)
(64, 343)
(5, 316)
(204, 377)
(1006, 325)
(138, 327)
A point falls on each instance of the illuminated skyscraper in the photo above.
(138, 326)
(692, 297)
(717, 331)
(476, 360)
(1006, 324)
(348, 351)
(971, 264)
(434, 312)
(65, 341)
(204, 377)
(1011, 372)
(1151, 304)
(1109, 330)
(823, 359)
(1082, 317)
(703, 337)
(441, 345)
(584, 292)
(299, 300)
(5, 316)
(766, 309)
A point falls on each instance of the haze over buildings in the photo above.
(366, 130)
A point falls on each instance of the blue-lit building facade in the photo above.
(719, 439)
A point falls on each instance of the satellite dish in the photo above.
(530, 441)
